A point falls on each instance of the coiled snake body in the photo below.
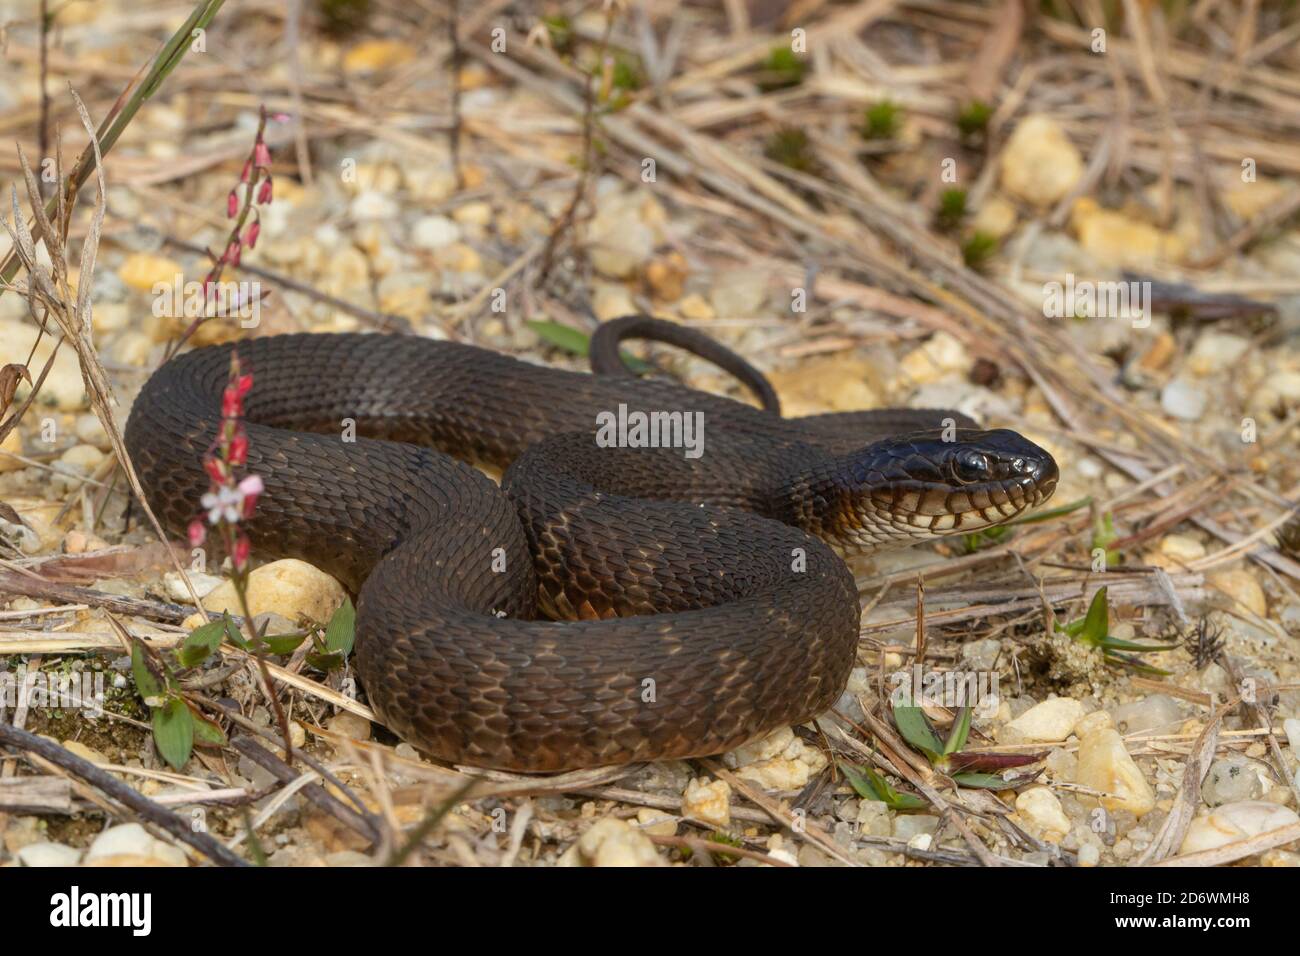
(699, 603)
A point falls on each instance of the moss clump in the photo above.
(882, 120)
(781, 70)
(973, 120)
(978, 249)
(952, 210)
(791, 147)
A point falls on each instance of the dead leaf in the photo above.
(10, 376)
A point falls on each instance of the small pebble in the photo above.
(1183, 400)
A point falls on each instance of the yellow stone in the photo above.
(667, 276)
(1105, 765)
(708, 801)
(142, 270)
(612, 300)
(696, 307)
(372, 55)
(12, 445)
(1248, 200)
(290, 588)
(995, 218)
(833, 383)
(1242, 587)
(655, 822)
(1039, 163)
(1113, 238)
(410, 303)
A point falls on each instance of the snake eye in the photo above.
(971, 466)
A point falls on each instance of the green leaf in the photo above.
(285, 643)
(960, 731)
(1116, 644)
(325, 662)
(917, 731)
(235, 636)
(1051, 513)
(173, 731)
(1135, 664)
(579, 343)
(871, 785)
(984, 538)
(201, 642)
(988, 781)
(149, 686)
(1096, 624)
(341, 630)
(207, 732)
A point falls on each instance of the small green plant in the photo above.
(1093, 629)
(978, 249)
(627, 74)
(973, 119)
(782, 69)
(791, 147)
(951, 211)
(618, 78)
(979, 771)
(870, 784)
(559, 29)
(1103, 536)
(882, 120)
(178, 725)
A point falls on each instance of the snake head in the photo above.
(922, 486)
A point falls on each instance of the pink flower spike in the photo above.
(262, 155)
(197, 533)
(250, 237)
(264, 194)
(232, 205)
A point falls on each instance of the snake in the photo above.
(660, 573)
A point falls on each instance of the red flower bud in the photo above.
(262, 155)
(232, 403)
(251, 488)
(232, 205)
(250, 237)
(247, 171)
(239, 554)
(264, 194)
(197, 533)
(215, 469)
(238, 453)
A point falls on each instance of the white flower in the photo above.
(225, 504)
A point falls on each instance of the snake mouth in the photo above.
(922, 486)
